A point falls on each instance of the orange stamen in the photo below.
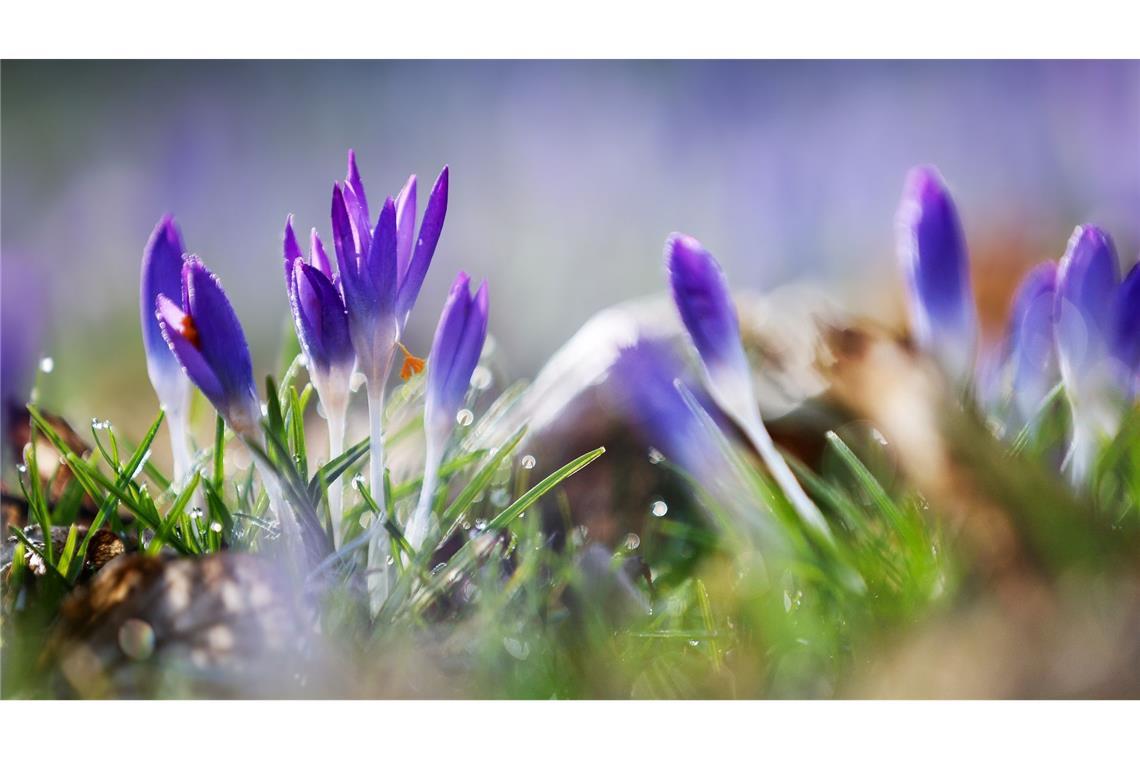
(189, 331)
(413, 365)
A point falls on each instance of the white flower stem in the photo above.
(807, 510)
(378, 545)
(421, 518)
(178, 425)
(337, 414)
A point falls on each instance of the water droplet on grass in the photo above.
(464, 417)
(656, 457)
(216, 527)
(659, 508)
(632, 541)
(47, 364)
(528, 462)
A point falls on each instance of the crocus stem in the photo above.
(378, 548)
(807, 510)
(179, 427)
(336, 420)
(280, 508)
(421, 518)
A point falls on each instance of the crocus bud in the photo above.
(700, 292)
(932, 254)
(162, 275)
(206, 337)
(419, 257)
(319, 313)
(455, 352)
(1033, 360)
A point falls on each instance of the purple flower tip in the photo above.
(700, 292)
(455, 352)
(1124, 332)
(932, 254)
(1030, 340)
(161, 274)
(1087, 278)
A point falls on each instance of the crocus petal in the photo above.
(220, 339)
(446, 344)
(1086, 281)
(700, 292)
(381, 260)
(1124, 333)
(430, 229)
(322, 324)
(932, 254)
(161, 275)
(405, 226)
(344, 246)
(353, 181)
(1032, 356)
(318, 258)
(180, 335)
(292, 250)
(470, 347)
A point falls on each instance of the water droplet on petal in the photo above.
(481, 378)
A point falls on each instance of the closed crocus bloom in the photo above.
(1087, 283)
(161, 275)
(455, 352)
(700, 292)
(1033, 360)
(932, 254)
(321, 321)
(205, 335)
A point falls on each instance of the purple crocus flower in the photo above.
(700, 292)
(321, 321)
(932, 254)
(161, 275)
(1033, 360)
(206, 337)
(455, 352)
(318, 311)
(1092, 313)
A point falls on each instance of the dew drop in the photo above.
(659, 508)
(480, 525)
(390, 561)
(656, 457)
(481, 378)
(528, 462)
(632, 541)
(499, 497)
(21, 468)
(216, 527)
(47, 364)
(465, 417)
(358, 482)
(356, 381)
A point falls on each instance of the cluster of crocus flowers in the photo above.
(700, 292)
(455, 352)
(1075, 321)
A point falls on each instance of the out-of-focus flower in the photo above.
(1124, 333)
(23, 315)
(1093, 313)
(455, 352)
(161, 275)
(1033, 360)
(700, 292)
(932, 253)
(321, 321)
(205, 335)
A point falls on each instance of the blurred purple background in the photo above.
(566, 178)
